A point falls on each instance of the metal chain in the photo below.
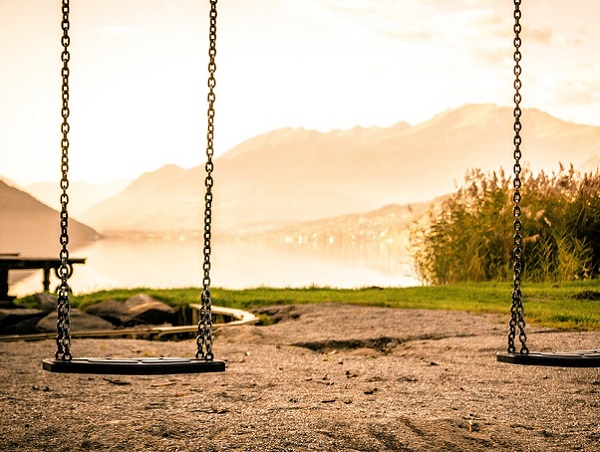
(63, 324)
(204, 339)
(517, 319)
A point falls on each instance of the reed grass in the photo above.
(469, 236)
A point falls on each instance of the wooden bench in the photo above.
(12, 261)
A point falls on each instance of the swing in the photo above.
(63, 361)
(582, 358)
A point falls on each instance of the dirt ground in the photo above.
(324, 378)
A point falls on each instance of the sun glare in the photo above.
(139, 73)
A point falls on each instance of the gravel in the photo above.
(323, 378)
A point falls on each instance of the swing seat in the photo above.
(580, 358)
(133, 366)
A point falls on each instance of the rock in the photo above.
(138, 310)
(20, 320)
(8, 304)
(45, 301)
(112, 311)
(80, 321)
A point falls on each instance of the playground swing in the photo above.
(583, 358)
(63, 361)
(203, 361)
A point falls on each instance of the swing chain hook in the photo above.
(517, 320)
(63, 324)
(204, 338)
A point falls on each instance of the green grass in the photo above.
(550, 305)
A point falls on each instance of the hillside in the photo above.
(386, 225)
(32, 228)
(82, 195)
(166, 200)
(301, 175)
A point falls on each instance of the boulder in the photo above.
(45, 301)
(80, 321)
(8, 304)
(110, 310)
(140, 309)
(19, 320)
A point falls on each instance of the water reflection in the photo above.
(113, 263)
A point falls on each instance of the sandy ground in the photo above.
(324, 378)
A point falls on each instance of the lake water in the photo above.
(115, 263)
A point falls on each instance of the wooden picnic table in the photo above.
(13, 261)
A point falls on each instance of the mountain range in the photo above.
(291, 175)
(288, 176)
(82, 194)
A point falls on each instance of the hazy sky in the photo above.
(138, 72)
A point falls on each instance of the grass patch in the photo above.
(546, 304)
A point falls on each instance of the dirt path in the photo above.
(324, 378)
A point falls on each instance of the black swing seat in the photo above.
(133, 366)
(580, 358)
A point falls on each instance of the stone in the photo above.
(80, 321)
(140, 309)
(20, 320)
(45, 301)
(112, 311)
(8, 304)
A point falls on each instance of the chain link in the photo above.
(517, 320)
(63, 324)
(204, 339)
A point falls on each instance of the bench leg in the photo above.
(46, 281)
(4, 285)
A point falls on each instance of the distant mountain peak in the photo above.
(168, 170)
(158, 177)
(296, 174)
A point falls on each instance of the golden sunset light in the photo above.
(138, 73)
(300, 225)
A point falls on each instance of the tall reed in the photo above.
(468, 236)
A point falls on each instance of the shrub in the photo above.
(468, 236)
